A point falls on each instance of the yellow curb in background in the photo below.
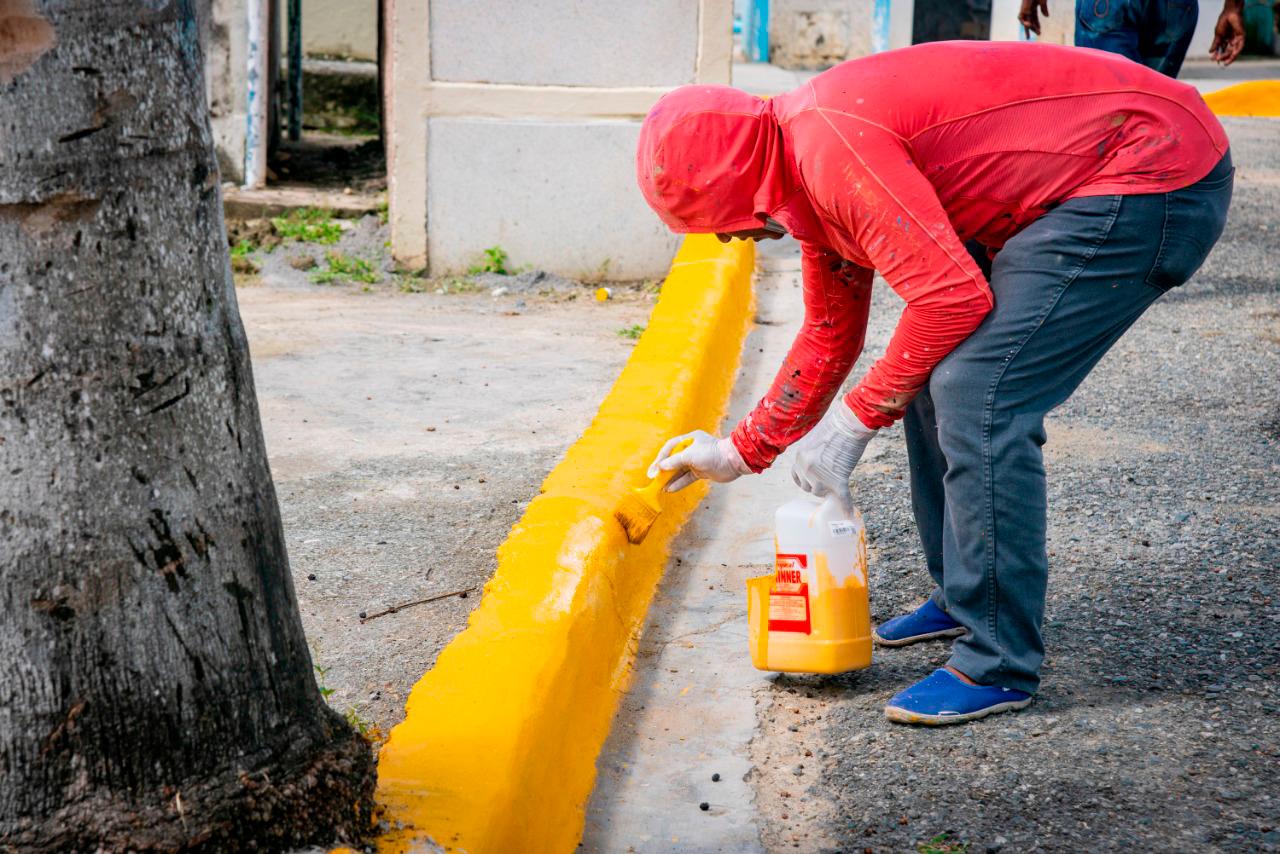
(497, 752)
(1252, 98)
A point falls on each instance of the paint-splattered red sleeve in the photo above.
(837, 296)
(892, 211)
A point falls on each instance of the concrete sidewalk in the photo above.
(691, 712)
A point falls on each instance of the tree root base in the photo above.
(307, 793)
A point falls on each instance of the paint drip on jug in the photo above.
(812, 615)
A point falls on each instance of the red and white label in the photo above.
(789, 598)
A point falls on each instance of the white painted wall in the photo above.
(515, 125)
(555, 195)
(818, 33)
(1004, 20)
(554, 42)
(347, 29)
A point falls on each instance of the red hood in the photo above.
(711, 159)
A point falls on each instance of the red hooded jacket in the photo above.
(892, 162)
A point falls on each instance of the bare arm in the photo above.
(1029, 15)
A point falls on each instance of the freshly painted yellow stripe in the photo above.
(498, 748)
(1252, 98)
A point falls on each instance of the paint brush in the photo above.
(638, 511)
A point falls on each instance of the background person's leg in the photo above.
(1166, 31)
(1110, 25)
(1065, 290)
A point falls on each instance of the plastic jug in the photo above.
(812, 614)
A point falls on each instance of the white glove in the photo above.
(708, 457)
(825, 457)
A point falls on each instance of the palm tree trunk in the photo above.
(156, 691)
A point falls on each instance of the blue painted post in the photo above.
(880, 26)
(295, 70)
(255, 136)
(755, 36)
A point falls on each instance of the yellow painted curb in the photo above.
(1252, 98)
(498, 748)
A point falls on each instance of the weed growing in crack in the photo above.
(495, 261)
(942, 844)
(341, 267)
(308, 225)
(325, 690)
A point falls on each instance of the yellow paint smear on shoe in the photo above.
(1252, 98)
(498, 748)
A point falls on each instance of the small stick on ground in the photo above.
(394, 608)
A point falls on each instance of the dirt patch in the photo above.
(407, 429)
(787, 760)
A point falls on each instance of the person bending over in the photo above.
(1086, 185)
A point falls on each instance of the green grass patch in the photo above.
(633, 331)
(358, 723)
(495, 261)
(342, 268)
(308, 225)
(325, 690)
(942, 844)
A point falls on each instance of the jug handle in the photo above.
(845, 509)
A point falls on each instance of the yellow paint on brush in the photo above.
(498, 748)
(638, 511)
(1252, 98)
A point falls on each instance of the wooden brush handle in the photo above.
(659, 483)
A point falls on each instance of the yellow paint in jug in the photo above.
(812, 614)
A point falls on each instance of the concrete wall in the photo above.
(554, 42)
(555, 194)
(819, 33)
(223, 32)
(341, 29)
(515, 125)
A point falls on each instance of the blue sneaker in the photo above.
(924, 623)
(945, 698)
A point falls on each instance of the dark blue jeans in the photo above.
(1153, 32)
(1066, 288)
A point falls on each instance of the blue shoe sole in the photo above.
(902, 716)
(927, 636)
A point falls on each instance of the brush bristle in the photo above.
(636, 517)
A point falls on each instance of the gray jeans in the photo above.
(1066, 288)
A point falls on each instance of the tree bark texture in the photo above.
(156, 691)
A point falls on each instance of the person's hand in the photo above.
(825, 457)
(708, 458)
(1029, 15)
(1228, 34)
